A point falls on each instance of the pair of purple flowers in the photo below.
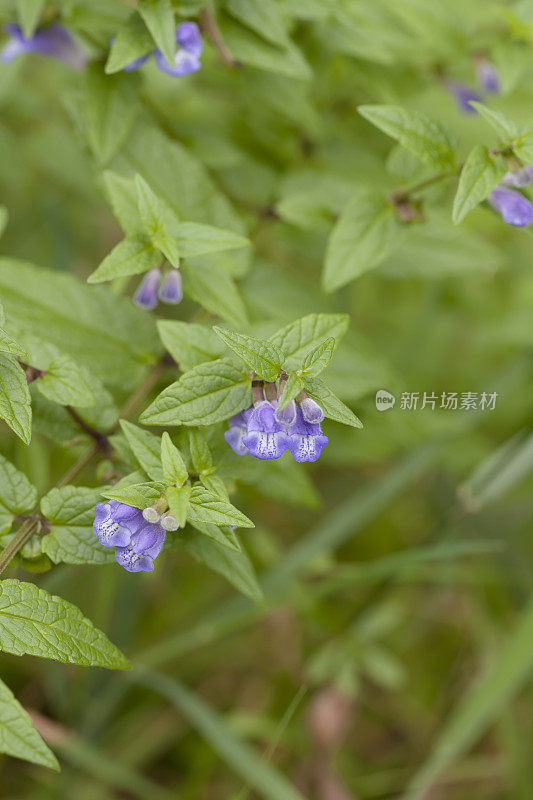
(151, 289)
(136, 539)
(54, 40)
(265, 431)
(514, 208)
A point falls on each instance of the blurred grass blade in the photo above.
(394, 565)
(266, 780)
(486, 700)
(499, 473)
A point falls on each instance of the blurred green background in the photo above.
(398, 570)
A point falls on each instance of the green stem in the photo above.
(404, 194)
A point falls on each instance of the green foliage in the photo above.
(322, 186)
(40, 624)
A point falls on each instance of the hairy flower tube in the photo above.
(51, 40)
(186, 58)
(137, 542)
(514, 208)
(520, 177)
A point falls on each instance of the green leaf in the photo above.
(140, 495)
(479, 176)
(263, 18)
(17, 494)
(111, 107)
(70, 511)
(158, 16)
(331, 405)
(486, 700)
(188, 343)
(65, 384)
(506, 129)
(215, 291)
(260, 354)
(18, 737)
(132, 41)
(222, 534)
(33, 622)
(208, 507)
(15, 402)
(206, 394)
(146, 448)
(197, 239)
(29, 12)
(108, 334)
(178, 501)
(158, 221)
(415, 131)
(297, 338)
(201, 458)
(131, 256)
(123, 199)
(235, 567)
(360, 240)
(174, 469)
(9, 345)
(318, 359)
(292, 389)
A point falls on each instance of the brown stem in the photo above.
(25, 532)
(208, 25)
(100, 438)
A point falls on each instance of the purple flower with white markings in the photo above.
(519, 178)
(51, 40)
(143, 549)
(266, 439)
(487, 75)
(136, 541)
(463, 94)
(238, 427)
(513, 206)
(187, 56)
(146, 294)
(171, 290)
(306, 440)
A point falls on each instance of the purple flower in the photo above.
(463, 94)
(238, 426)
(287, 416)
(487, 75)
(171, 291)
(144, 547)
(311, 411)
(519, 178)
(146, 294)
(306, 440)
(187, 57)
(266, 439)
(513, 206)
(136, 541)
(52, 40)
